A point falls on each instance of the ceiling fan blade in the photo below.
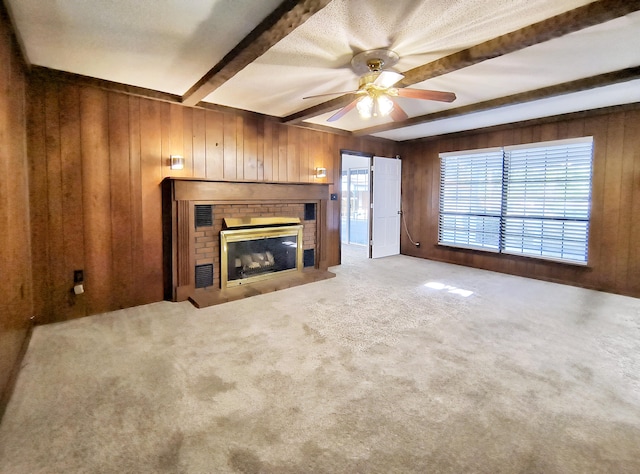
(397, 114)
(329, 94)
(387, 79)
(343, 111)
(426, 95)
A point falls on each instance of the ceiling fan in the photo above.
(375, 94)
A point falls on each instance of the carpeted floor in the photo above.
(397, 365)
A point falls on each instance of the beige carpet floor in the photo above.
(397, 365)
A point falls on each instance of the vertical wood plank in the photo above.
(172, 139)
(417, 211)
(331, 153)
(575, 129)
(250, 149)
(317, 158)
(549, 131)
(267, 161)
(230, 170)
(596, 127)
(562, 129)
(304, 170)
(536, 133)
(20, 292)
(121, 223)
(282, 154)
(186, 139)
(612, 199)
(526, 135)
(135, 191)
(96, 199)
(260, 156)
(165, 139)
(240, 148)
(293, 158)
(151, 163)
(199, 144)
(215, 148)
(275, 152)
(72, 202)
(39, 222)
(61, 283)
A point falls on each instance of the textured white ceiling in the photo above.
(167, 45)
(316, 58)
(600, 49)
(625, 93)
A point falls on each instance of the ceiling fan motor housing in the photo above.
(375, 64)
(367, 79)
(373, 60)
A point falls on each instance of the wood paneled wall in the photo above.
(614, 239)
(15, 253)
(97, 159)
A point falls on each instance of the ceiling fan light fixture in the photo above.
(376, 86)
(374, 106)
(365, 107)
(385, 105)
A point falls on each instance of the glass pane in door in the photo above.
(344, 208)
(358, 206)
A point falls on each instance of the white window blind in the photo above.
(531, 200)
(547, 196)
(471, 199)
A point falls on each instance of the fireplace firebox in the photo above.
(258, 248)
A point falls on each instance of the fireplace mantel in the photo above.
(189, 189)
(187, 247)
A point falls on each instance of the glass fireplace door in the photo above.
(255, 254)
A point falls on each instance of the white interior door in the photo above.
(386, 207)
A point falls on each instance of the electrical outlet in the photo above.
(78, 276)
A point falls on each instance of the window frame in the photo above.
(544, 162)
(470, 184)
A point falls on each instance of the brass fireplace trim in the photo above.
(238, 222)
(238, 235)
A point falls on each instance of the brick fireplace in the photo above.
(193, 217)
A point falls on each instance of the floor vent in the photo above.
(204, 275)
(204, 215)
(309, 258)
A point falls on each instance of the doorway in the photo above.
(355, 205)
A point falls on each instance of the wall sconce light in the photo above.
(176, 162)
(321, 172)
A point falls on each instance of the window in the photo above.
(471, 199)
(530, 200)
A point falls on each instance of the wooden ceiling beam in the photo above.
(560, 25)
(564, 88)
(330, 105)
(281, 22)
(545, 30)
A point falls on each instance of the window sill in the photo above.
(514, 257)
